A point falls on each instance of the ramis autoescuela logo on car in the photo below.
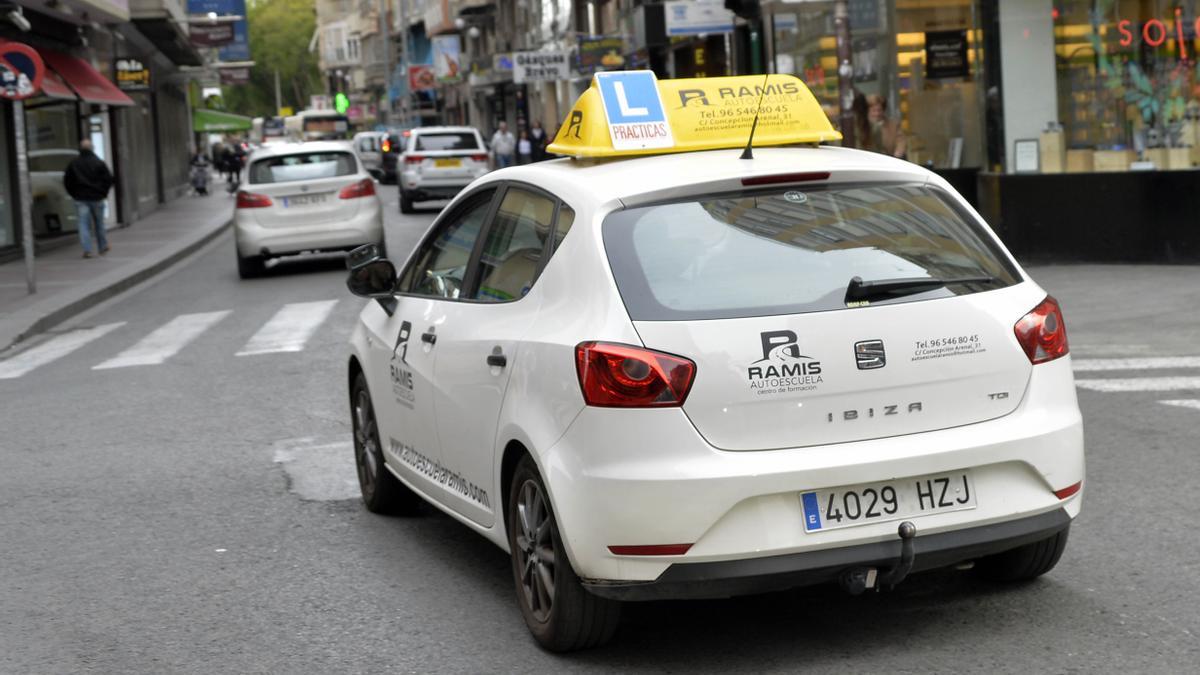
(869, 354)
(783, 368)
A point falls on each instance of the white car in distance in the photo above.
(438, 162)
(304, 197)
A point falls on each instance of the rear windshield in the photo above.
(793, 250)
(306, 166)
(447, 141)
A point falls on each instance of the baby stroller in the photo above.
(200, 175)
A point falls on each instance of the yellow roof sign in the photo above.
(629, 113)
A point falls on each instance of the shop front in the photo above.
(1031, 108)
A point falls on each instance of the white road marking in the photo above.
(1134, 384)
(1193, 403)
(165, 341)
(289, 329)
(1151, 363)
(319, 469)
(53, 349)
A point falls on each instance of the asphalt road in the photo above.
(199, 515)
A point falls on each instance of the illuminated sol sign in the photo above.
(1156, 31)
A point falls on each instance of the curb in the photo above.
(54, 310)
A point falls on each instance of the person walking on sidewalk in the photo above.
(504, 145)
(88, 180)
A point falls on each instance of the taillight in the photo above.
(363, 188)
(414, 159)
(479, 158)
(1042, 332)
(621, 376)
(250, 200)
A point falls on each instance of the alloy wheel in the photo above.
(536, 557)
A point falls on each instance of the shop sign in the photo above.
(946, 54)
(447, 51)
(132, 75)
(540, 67)
(1156, 31)
(421, 78)
(233, 76)
(697, 17)
(239, 48)
(502, 62)
(600, 53)
(211, 35)
(320, 102)
(21, 71)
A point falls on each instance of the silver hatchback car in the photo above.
(302, 197)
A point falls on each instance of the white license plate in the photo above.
(888, 500)
(304, 200)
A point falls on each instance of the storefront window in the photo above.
(922, 60)
(1128, 82)
(52, 131)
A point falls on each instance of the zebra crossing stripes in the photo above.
(53, 349)
(1139, 384)
(165, 341)
(1142, 384)
(290, 328)
(1193, 403)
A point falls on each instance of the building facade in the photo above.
(112, 74)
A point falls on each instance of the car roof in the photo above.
(426, 130)
(294, 148)
(638, 179)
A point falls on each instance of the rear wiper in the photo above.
(860, 290)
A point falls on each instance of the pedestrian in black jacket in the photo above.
(88, 180)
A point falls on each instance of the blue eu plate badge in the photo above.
(812, 511)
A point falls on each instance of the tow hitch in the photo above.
(858, 579)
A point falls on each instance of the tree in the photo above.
(279, 33)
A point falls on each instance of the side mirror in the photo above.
(371, 275)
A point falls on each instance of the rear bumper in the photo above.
(776, 573)
(647, 477)
(366, 227)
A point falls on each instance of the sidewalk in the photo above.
(68, 284)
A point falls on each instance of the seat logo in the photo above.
(869, 354)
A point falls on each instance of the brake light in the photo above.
(1042, 332)
(1069, 490)
(251, 200)
(651, 549)
(786, 178)
(414, 159)
(479, 158)
(621, 376)
(363, 188)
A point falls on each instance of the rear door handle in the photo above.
(429, 338)
(497, 360)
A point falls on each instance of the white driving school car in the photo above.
(650, 373)
(300, 197)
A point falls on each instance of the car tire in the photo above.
(1024, 562)
(251, 267)
(381, 491)
(406, 203)
(565, 617)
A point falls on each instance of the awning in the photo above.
(213, 121)
(54, 87)
(83, 79)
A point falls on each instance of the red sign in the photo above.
(211, 35)
(421, 78)
(235, 75)
(21, 71)
(1155, 32)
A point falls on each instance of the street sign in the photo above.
(232, 76)
(210, 35)
(697, 17)
(132, 74)
(540, 67)
(636, 117)
(21, 71)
